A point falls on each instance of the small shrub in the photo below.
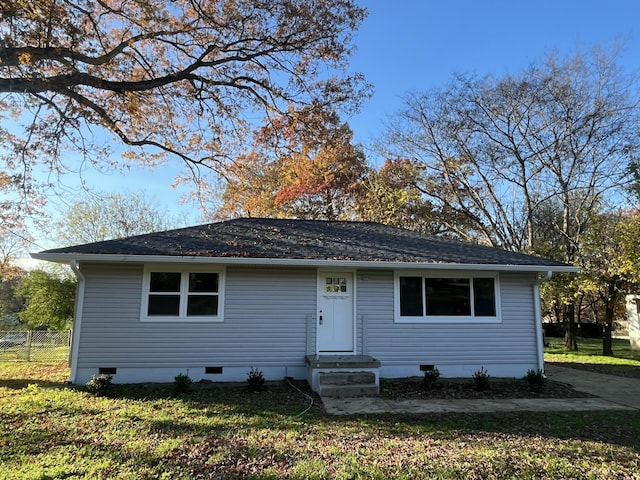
(535, 379)
(431, 377)
(99, 384)
(385, 385)
(481, 377)
(182, 383)
(255, 379)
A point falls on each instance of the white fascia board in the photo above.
(293, 262)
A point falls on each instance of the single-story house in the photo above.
(294, 298)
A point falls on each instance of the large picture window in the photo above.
(427, 298)
(181, 294)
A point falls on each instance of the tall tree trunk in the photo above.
(609, 312)
(570, 342)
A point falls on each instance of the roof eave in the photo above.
(304, 262)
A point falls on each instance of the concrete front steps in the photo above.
(343, 375)
(348, 384)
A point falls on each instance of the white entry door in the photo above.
(335, 325)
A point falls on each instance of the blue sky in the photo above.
(409, 45)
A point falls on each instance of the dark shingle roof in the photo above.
(303, 239)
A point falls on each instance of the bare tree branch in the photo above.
(560, 135)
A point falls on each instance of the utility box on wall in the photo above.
(633, 319)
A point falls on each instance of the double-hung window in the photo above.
(182, 294)
(446, 298)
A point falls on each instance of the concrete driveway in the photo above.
(618, 390)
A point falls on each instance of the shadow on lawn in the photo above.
(229, 415)
(20, 383)
(247, 452)
(221, 410)
(222, 431)
(281, 406)
(613, 427)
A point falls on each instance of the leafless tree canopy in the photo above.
(560, 135)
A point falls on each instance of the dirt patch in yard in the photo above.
(465, 388)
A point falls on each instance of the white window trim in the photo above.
(184, 286)
(446, 318)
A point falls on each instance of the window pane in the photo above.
(335, 285)
(411, 297)
(202, 305)
(165, 282)
(168, 305)
(448, 296)
(203, 282)
(484, 297)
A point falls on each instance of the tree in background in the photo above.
(10, 276)
(610, 263)
(49, 299)
(16, 204)
(179, 79)
(561, 296)
(564, 131)
(10, 246)
(314, 172)
(10, 302)
(44, 298)
(98, 217)
(396, 194)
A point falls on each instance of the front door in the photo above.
(335, 312)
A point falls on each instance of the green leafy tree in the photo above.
(562, 298)
(610, 262)
(10, 275)
(10, 302)
(49, 299)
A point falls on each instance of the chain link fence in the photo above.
(35, 346)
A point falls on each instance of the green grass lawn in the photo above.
(589, 356)
(50, 431)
